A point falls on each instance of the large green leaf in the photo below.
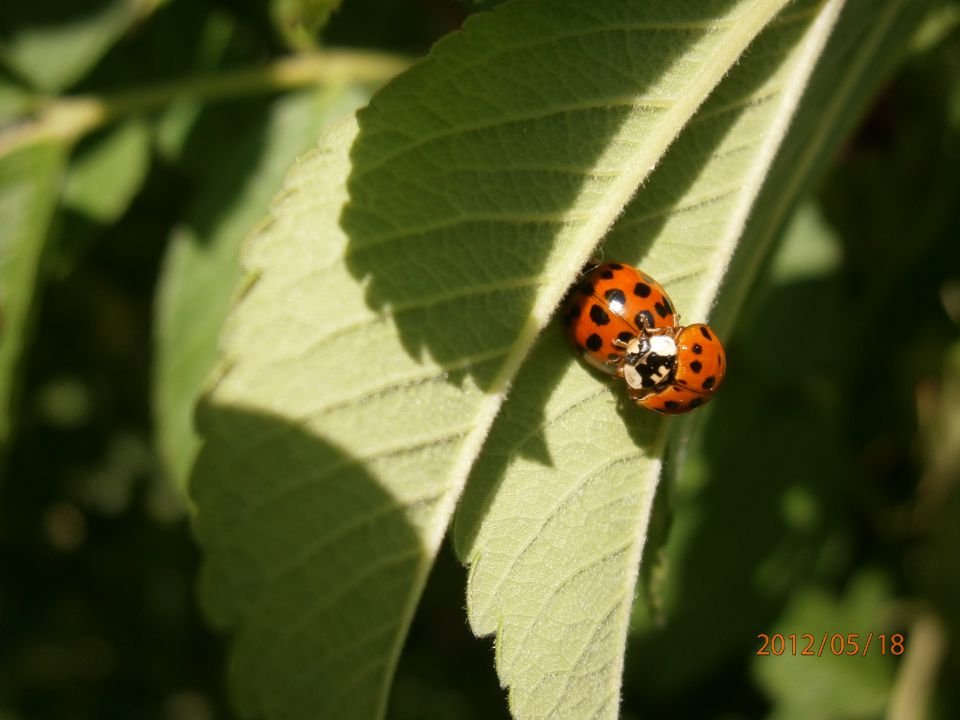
(29, 185)
(202, 268)
(555, 514)
(375, 342)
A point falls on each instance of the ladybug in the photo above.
(623, 322)
(610, 306)
(673, 370)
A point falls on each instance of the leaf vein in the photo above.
(516, 119)
(552, 514)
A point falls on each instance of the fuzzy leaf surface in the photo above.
(398, 286)
(555, 514)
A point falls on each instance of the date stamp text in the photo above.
(831, 643)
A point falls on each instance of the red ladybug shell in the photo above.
(613, 302)
(700, 366)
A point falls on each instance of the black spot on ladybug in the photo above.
(641, 290)
(615, 296)
(615, 266)
(643, 319)
(594, 342)
(599, 315)
(695, 403)
(696, 366)
(572, 314)
(719, 359)
(708, 383)
(697, 348)
(663, 308)
(585, 288)
(625, 336)
(606, 274)
(613, 356)
(682, 382)
(671, 405)
(705, 333)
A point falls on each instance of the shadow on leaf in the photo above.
(309, 559)
(472, 168)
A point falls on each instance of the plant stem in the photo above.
(70, 118)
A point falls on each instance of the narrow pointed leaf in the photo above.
(29, 185)
(554, 518)
(396, 289)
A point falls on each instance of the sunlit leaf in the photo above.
(555, 514)
(401, 281)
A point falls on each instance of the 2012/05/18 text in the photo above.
(833, 643)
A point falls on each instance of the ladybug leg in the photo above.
(592, 264)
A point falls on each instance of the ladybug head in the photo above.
(649, 362)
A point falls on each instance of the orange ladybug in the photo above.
(611, 305)
(636, 337)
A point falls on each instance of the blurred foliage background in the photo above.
(828, 476)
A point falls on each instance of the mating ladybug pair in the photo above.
(624, 324)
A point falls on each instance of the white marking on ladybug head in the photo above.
(663, 345)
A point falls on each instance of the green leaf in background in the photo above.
(55, 44)
(29, 185)
(374, 343)
(105, 174)
(871, 39)
(834, 684)
(202, 268)
(555, 513)
(299, 21)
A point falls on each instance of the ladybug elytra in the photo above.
(624, 323)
